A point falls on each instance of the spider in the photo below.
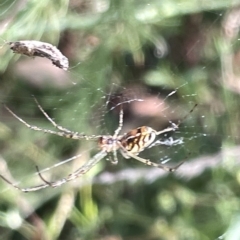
(129, 144)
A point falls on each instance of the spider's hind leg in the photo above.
(158, 165)
(169, 169)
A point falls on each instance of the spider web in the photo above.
(88, 99)
(103, 120)
(163, 104)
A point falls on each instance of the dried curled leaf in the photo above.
(34, 48)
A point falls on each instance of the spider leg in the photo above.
(42, 178)
(50, 119)
(174, 125)
(149, 163)
(183, 119)
(60, 163)
(82, 170)
(169, 129)
(120, 125)
(158, 165)
(31, 189)
(72, 135)
(114, 160)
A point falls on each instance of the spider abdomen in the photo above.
(138, 139)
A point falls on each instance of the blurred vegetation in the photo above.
(121, 52)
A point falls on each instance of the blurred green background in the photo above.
(155, 59)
